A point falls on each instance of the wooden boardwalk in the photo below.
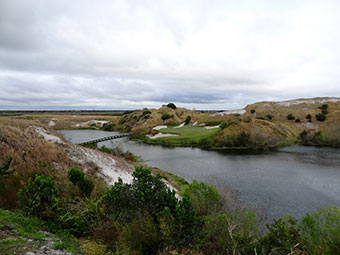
(102, 139)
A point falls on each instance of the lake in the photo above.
(293, 180)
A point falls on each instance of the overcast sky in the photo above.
(203, 54)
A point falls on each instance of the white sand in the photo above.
(182, 125)
(51, 123)
(49, 137)
(212, 127)
(239, 111)
(160, 127)
(160, 135)
(86, 157)
(106, 164)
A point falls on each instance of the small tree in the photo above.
(290, 117)
(252, 111)
(320, 117)
(187, 120)
(171, 105)
(308, 116)
(323, 107)
(205, 199)
(38, 197)
(76, 176)
(166, 116)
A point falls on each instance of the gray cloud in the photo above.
(134, 54)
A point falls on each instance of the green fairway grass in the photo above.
(188, 133)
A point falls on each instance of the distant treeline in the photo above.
(71, 112)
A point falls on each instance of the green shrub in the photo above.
(324, 111)
(297, 120)
(224, 125)
(308, 116)
(266, 117)
(38, 197)
(323, 107)
(85, 187)
(252, 111)
(148, 196)
(108, 126)
(187, 120)
(166, 116)
(146, 112)
(76, 176)
(283, 236)
(320, 117)
(290, 117)
(122, 119)
(78, 217)
(205, 199)
(321, 230)
(213, 123)
(171, 105)
(229, 233)
(4, 169)
(142, 236)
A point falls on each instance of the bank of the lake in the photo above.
(292, 180)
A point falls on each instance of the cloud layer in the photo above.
(133, 54)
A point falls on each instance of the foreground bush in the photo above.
(147, 197)
(76, 176)
(146, 217)
(39, 197)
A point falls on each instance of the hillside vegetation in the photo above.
(261, 125)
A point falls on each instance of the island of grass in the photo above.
(184, 136)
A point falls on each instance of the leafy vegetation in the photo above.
(290, 117)
(171, 105)
(146, 217)
(4, 169)
(166, 116)
(320, 117)
(76, 176)
(187, 120)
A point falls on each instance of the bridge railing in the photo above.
(106, 138)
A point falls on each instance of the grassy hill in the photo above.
(261, 125)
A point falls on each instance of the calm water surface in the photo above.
(291, 180)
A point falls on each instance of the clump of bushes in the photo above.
(76, 176)
(266, 117)
(324, 111)
(146, 112)
(312, 138)
(146, 217)
(225, 124)
(213, 122)
(166, 116)
(252, 111)
(39, 197)
(309, 117)
(171, 105)
(117, 151)
(320, 117)
(187, 120)
(4, 169)
(290, 116)
(108, 126)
